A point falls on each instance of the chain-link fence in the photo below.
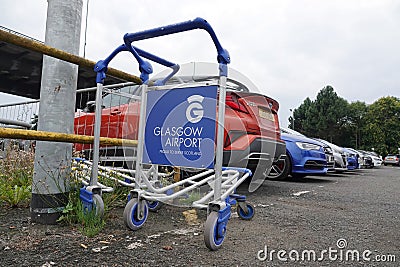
(116, 102)
(119, 116)
(20, 116)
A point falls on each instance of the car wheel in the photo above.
(280, 169)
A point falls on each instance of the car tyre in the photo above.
(280, 169)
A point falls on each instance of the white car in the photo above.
(338, 154)
(375, 159)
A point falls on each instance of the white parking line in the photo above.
(300, 193)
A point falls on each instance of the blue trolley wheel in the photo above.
(98, 205)
(154, 205)
(213, 236)
(250, 212)
(131, 217)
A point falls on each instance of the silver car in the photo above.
(338, 154)
(392, 160)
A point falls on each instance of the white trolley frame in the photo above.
(148, 193)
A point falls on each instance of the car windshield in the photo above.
(334, 147)
(371, 153)
(120, 96)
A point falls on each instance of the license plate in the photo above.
(265, 114)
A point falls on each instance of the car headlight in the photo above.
(308, 146)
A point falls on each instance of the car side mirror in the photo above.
(90, 106)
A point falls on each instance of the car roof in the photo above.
(207, 73)
(291, 131)
(333, 146)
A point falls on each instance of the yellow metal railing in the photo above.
(62, 137)
(83, 62)
(60, 54)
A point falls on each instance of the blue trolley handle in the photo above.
(101, 65)
(145, 67)
(197, 23)
(173, 66)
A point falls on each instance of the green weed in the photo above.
(16, 171)
(90, 223)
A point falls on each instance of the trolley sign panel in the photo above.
(180, 127)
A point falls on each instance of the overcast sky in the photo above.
(289, 49)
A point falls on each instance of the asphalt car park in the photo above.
(354, 215)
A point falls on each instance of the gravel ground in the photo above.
(356, 212)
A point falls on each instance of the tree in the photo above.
(355, 123)
(300, 116)
(370, 127)
(382, 130)
(331, 111)
(323, 117)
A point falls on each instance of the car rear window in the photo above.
(120, 96)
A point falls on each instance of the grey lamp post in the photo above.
(292, 110)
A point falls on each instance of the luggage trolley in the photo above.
(194, 112)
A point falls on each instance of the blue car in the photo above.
(352, 159)
(304, 156)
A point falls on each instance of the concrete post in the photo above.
(50, 185)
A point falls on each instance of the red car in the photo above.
(252, 132)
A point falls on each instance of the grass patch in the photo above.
(16, 171)
(90, 223)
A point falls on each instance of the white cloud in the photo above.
(290, 49)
